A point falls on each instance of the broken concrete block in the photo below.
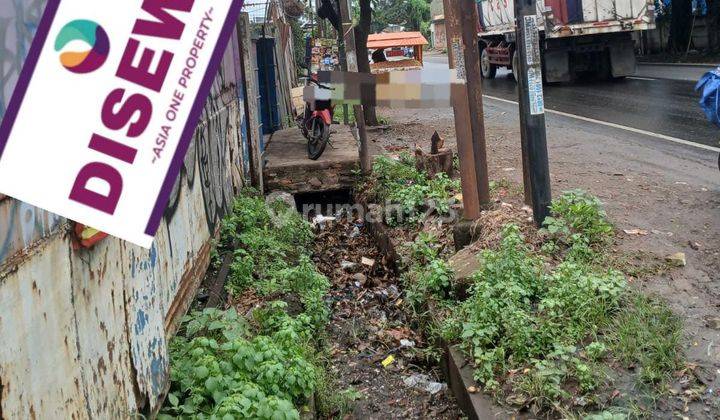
(677, 259)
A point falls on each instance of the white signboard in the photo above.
(106, 106)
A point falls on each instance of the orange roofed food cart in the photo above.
(390, 40)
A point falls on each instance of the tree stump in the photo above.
(433, 164)
(439, 160)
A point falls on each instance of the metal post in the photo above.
(461, 108)
(352, 66)
(343, 66)
(251, 101)
(532, 110)
(469, 20)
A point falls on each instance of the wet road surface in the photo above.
(667, 107)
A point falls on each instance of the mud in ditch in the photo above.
(368, 327)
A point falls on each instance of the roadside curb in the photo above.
(649, 63)
(476, 405)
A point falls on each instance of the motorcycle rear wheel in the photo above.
(318, 137)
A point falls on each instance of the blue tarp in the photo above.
(699, 7)
(709, 86)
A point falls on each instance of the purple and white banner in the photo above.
(107, 104)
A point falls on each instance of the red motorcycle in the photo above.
(315, 124)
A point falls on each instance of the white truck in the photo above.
(576, 36)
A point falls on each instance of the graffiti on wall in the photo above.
(21, 225)
(214, 156)
(222, 165)
(18, 22)
(218, 148)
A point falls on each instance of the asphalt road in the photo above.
(662, 106)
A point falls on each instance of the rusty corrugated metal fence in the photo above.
(84, 333)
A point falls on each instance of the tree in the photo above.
(417, 12)
(713, 25)
(680, 24)
(362, 31)
(412, 14)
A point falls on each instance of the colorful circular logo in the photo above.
(91, 58)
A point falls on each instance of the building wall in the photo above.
(84, 333)
(439, 37)
(436, 8)
(656, 40)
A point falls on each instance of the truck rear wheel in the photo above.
(487, 68)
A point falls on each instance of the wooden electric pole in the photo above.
(469, 20)
(467, 104)
(352, 66)
(532, 108)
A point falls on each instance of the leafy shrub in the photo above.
(250, 402)
(241, 272)
(228, 372)
(606, 415)
(517, 315)
(271, 239)
(216, 324)
(403, 185)
(429, 275)
(578, 217)
(595, 350)
(225, 366)
(389, 174)
(433, 280)
(248, 211)
(544, 383)
(424, 248)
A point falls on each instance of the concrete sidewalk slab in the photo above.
(287, 167)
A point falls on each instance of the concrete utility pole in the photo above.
(352, 66)
(532, 108)
(467, 104)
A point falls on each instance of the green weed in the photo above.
(646, 334)
(224, 366)
(519, 316)
(578, 218)
(219, 368)
(400, 183)
(271, 239)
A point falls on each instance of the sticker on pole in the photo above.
(106, 106)
(534, 64)
(532, 40)
(535, 91)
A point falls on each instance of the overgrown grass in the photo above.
(646, 334)
(578, 218)
(339, 114)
